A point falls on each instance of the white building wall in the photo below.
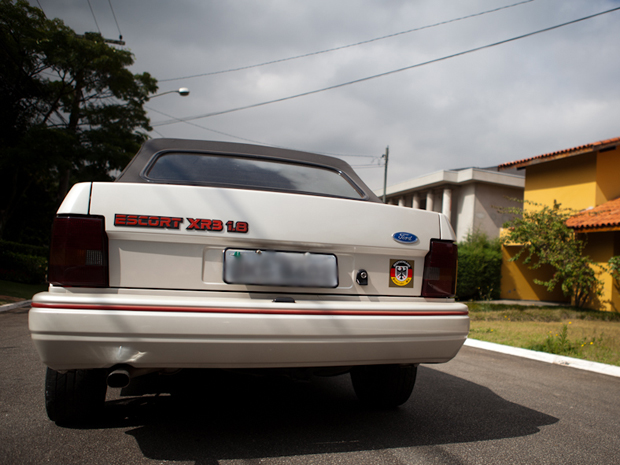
(446, 203)
(465, 208)
(415, 203)
(430, 201)
(488, 199)
(471, 203)
(438, 197)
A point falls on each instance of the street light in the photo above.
(183, 92)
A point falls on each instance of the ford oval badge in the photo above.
(405, 237)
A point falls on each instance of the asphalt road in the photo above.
(481, 408)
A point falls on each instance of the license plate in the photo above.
(270, 268)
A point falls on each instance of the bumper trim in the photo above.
(262, 311)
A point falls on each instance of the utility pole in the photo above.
(386, 156)
(107, 41)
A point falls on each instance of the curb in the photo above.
(21, 304)
(595, 367)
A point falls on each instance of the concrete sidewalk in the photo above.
(595, 367)
(525, 303)
(11, 306)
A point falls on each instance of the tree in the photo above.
(480, 264)
(72, 111)
(546, 240)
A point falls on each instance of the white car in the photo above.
(221, 255)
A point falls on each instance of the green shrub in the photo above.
(23, 263)
(25, 249)
(479, 273)
(545, 240)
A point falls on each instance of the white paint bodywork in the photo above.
(77, 200)
(169, 307)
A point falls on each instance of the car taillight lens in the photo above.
(440, 270)
(79, 252)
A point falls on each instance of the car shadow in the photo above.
(233, 416)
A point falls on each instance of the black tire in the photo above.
(384, 385)
(74, 396)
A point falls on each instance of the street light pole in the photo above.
(386, 156)
(183, 92)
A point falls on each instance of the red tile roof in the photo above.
(588, 148)
(605, 217)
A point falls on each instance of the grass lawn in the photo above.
(585, 334)
(13, 292)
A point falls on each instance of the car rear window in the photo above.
(250, 173)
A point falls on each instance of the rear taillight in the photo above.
(79, 252)
(440, 270)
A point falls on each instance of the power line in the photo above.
(120, 35)
(368, 78)
(245, 139)
(345, 46)
(204, 127)
(361, 167)
(158, 133)
(41, 8)
(93, 13)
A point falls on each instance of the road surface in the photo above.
(481, 408)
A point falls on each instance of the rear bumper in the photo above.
(100, 331)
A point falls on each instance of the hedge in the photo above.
(479, 272)
(23, 263)
(25, 249)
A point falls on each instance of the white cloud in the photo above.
(543, 93)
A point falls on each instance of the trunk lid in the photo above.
(165, 236)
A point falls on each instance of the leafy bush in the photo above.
(546, 240)
(25, 249)
(23, 263)
(614, 269)
(479, 273)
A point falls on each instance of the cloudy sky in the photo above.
(546, 92)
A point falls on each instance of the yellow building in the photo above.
(585, 178)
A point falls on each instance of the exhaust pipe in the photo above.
(123, 374)
(119, 378)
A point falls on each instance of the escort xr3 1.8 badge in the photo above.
(169, 222)
(401, 273)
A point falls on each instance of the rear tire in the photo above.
(384, 385)
(74, 396)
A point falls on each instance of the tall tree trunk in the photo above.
(19, 189)
(72, 127)
(63, 185)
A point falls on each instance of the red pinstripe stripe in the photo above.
(284, 311)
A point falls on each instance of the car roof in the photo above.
(151, 148)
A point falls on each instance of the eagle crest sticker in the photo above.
(401, 273)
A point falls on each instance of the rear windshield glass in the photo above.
(250, 173)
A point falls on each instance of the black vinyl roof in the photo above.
(134, 172)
